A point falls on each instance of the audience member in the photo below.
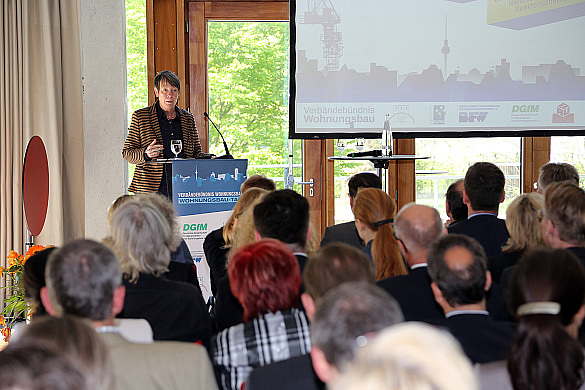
(34, 280)
(137, 330)
(265, 278)
(456, 209)
(563, 221)
(140, 236)
(334, 264)
(347, 232)
(458, 269)
(406, 357)
(344, 318)
(416, 227)
(523, 221)
(79, 343)
(282, 215)
(374, 212)
(554, 173)
(84, 279)
(547, 296)
(258, 181)
(25, 366)
(483, 192)
(217, 243)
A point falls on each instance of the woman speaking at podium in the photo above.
(162, 130)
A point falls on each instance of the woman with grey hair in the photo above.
(140, 235)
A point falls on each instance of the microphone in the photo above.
(227, 154)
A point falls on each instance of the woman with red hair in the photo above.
(265, 278)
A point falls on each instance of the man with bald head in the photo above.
(416, 227)
(457, 266)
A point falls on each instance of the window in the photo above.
(450, 158)
(248, 80)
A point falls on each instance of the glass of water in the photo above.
(176, 147)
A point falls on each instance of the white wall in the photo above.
(103, 47)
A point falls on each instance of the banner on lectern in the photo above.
(204, 194)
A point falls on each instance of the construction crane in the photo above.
(323, 12)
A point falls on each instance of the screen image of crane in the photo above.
(437, 68)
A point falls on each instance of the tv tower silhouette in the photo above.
(446, 50)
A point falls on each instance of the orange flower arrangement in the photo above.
(15, 305)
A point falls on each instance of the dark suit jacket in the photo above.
(228, 311)
(415, 296)
(144, 129)
(216, 256)
(489, 230)
(483, 339)
(497, 264)
(343, 232)
(175, 310)
(291, 374)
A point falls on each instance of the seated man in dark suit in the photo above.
(282, 215)
(457, 266)
(483, 192)
(416, 227)
(335, 264)
(456, 209)
(347, 232)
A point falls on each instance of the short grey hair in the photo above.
(141, 237)
(81, 279)
(347, 312)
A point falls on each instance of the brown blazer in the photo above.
(143, 130)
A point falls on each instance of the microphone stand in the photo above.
(227, 154)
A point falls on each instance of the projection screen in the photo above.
(437, 68)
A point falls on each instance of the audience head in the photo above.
(547, 296)
(34, 280)
(344, 318)
(167, 210)
(563, 222)
(523, 220)
(247, 199)
(484, 187)
(27, 366)
(264, 277)
(374, 212)
(258, 181)
(78, 342)
(334, 264)
(120, 200)
(283, 215)
(556, 172)
(141, 237)
(457, 266)
(456, 209)
(84, 280)
(409, 356)
(416, 227)
(362, 180)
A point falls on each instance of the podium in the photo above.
(204, 194)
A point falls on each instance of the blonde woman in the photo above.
(523, 221)
(374, 212)
(218, 242)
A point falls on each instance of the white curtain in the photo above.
(40, 94)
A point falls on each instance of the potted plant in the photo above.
(15, 305)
